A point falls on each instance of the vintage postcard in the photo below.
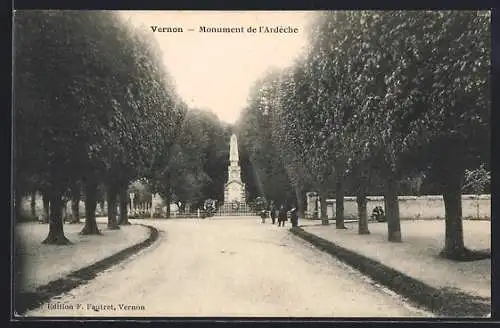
(251, 164)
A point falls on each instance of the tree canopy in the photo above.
(400, 95)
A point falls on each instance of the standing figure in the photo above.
(273, 214)
(282, 216)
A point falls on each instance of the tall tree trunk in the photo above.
(123, 197)
(75, 205)
(46, 207)
(363, 214)
(33, 204)
(299, 195)
(56, 232)
(168, 199)
(339, 204)
(102, 204)
(392, 210)
(135, 204)
(75, 210)
(299, 212)
(90, 227)
(454, 247)
(450, 170)
(111, 198)
(323, 206)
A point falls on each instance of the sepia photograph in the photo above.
(251, 164)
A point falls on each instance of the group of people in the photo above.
(282, 215)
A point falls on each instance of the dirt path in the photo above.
(229, 267)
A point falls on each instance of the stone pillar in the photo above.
(154, 201)
(317, 204)
(312, 204)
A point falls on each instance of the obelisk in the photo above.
(234, 190)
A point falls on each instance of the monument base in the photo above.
(234, 209)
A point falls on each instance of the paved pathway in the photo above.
(229, 267)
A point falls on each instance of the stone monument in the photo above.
(234, 189)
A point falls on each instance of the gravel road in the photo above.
(229, 267)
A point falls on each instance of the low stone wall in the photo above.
(419, 207)
(26, 207)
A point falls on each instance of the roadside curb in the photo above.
(30, 300)
(442, 302)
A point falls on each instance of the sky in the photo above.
(215, 71)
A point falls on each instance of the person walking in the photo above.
(273, 214)
(281, 216)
